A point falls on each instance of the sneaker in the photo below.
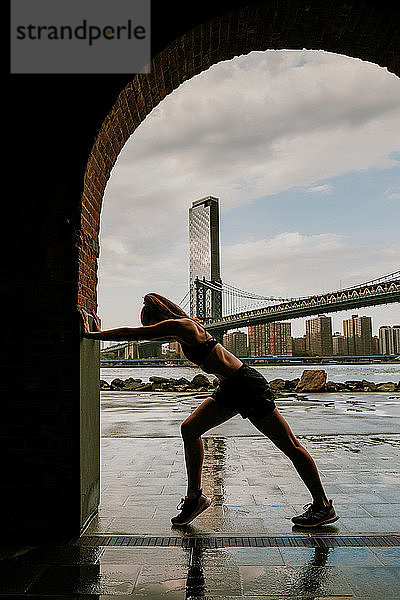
(316, 515)
(190, 508)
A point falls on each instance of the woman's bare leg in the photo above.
(206, 416)
(278, 431)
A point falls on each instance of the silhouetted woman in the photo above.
(241, 389)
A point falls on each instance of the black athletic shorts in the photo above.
(247, 392)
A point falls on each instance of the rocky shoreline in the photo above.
(312, 381)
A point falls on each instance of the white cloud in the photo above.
(292, 264)
(392, 194)
(321, 189)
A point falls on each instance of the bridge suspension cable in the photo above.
(184, 303)
(230, 289)
(251, 295)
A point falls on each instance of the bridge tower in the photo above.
(204, 259)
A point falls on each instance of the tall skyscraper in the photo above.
(319, 336)
(389, 339)
(204, 258)
(358, 334)
(236, 342)
(385, 340)
(278, 339)
(339, 345)
(396, 339)
(257, 340)
(299, 346)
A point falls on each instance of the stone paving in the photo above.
(255, 492)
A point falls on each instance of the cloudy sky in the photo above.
(303, 150)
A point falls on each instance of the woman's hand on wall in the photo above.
(85, 321)
(96, 322)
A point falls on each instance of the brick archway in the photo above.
(50, 423)
(357, 29)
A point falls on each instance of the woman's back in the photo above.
(208, 353)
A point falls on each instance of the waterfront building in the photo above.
(339, 346)
(396, 339)
(150, 349)
(174, 348)
(131, 350)
(385, 340)
(358, 333)
(204, 258)
(389, 339)
(299, 346)
(319, 336)
(375, 344)
(236, 342)
(116, 351)
(257, 340)
(278, 339)
(105, 344)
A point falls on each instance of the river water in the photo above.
(377, 373)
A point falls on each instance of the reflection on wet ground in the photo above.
(201, 573)
(152, 414)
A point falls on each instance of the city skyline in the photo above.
(275, 339)
(292, 222)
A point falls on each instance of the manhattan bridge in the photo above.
(222, 306)
(233, 308)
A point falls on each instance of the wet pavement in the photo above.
(355, 442)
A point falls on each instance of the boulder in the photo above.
(368, 386)
(331, 386)
(117, 384)
(104, 385)
(182, 381)
(156, 387)
(277, 384)
(289, 385)
(200, 381)
(386, 387)
(168, 386)
(155, 379)
(342, 387)
(312, 381)
(145, 387)
(354, 385)
(131, 384)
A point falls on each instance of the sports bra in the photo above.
(198, 353)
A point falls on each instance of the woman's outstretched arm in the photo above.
(164, 329)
